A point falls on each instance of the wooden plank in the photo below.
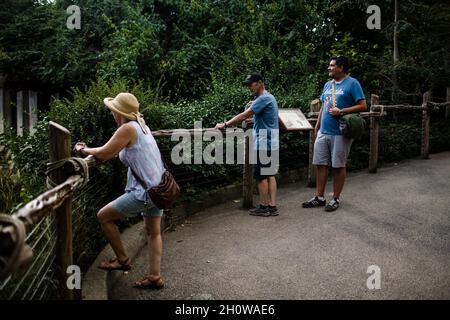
(60, 148)
(314, 115)
(315, 108)
(315, 105)
(7, 108)
(425, 146)
(399, 107)
(374, 136)
(2, 111)
(168, 132)
(19, 108)
(2, 104)
(32, 111)
(311, 167)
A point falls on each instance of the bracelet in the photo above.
(225, 124)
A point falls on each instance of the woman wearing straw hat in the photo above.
(137, 149)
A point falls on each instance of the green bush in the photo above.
(23, 164)
(87, 118)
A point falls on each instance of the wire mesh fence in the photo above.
(37, 281)
(87, 237)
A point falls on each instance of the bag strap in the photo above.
(142, 182)
(147, 132)
(138, 179)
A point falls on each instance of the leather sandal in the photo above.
(115, 264)
(149, 283)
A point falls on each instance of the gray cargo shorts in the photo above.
(331, 150)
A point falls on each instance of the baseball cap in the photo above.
(253, 77)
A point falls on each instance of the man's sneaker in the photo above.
(314, 202)
(332, 205)
(260, 211)
(273, 210)
(257, 208)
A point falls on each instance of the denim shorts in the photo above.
(130, 206)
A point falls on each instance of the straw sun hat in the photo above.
(127, 106)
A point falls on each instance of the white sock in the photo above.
(320, 198)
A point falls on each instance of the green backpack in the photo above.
(352, 125)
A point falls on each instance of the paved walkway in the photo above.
(397, 219)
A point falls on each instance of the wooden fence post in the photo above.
(7, 108)
(374, 136)
(447, 108)
(314, 107)
(32, 111)
(19, 108)
(2, 104)
(60, 148)
(425, 126)
(247, 179)
(2, 111)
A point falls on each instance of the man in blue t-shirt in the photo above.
(341, 95)
(264, 109)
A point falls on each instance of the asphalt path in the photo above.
(397, 220)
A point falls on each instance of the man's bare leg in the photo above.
(321, 180)
(263, 189)
(272, 190)
(338, 181)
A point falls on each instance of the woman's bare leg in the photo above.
(153, 229)
(107, 217)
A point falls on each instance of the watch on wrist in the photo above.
(341, 112)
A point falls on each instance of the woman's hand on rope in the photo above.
(79, 146)
(220, 126)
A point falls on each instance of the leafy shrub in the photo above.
(23, 164)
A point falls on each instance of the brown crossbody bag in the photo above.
(164, 194)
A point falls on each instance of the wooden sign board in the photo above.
(293, 120)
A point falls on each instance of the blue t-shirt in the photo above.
(265, 128)
(347, 93)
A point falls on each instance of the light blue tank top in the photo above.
(145, 159)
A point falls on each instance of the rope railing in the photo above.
(36, 209)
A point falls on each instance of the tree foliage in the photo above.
(178, 47)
